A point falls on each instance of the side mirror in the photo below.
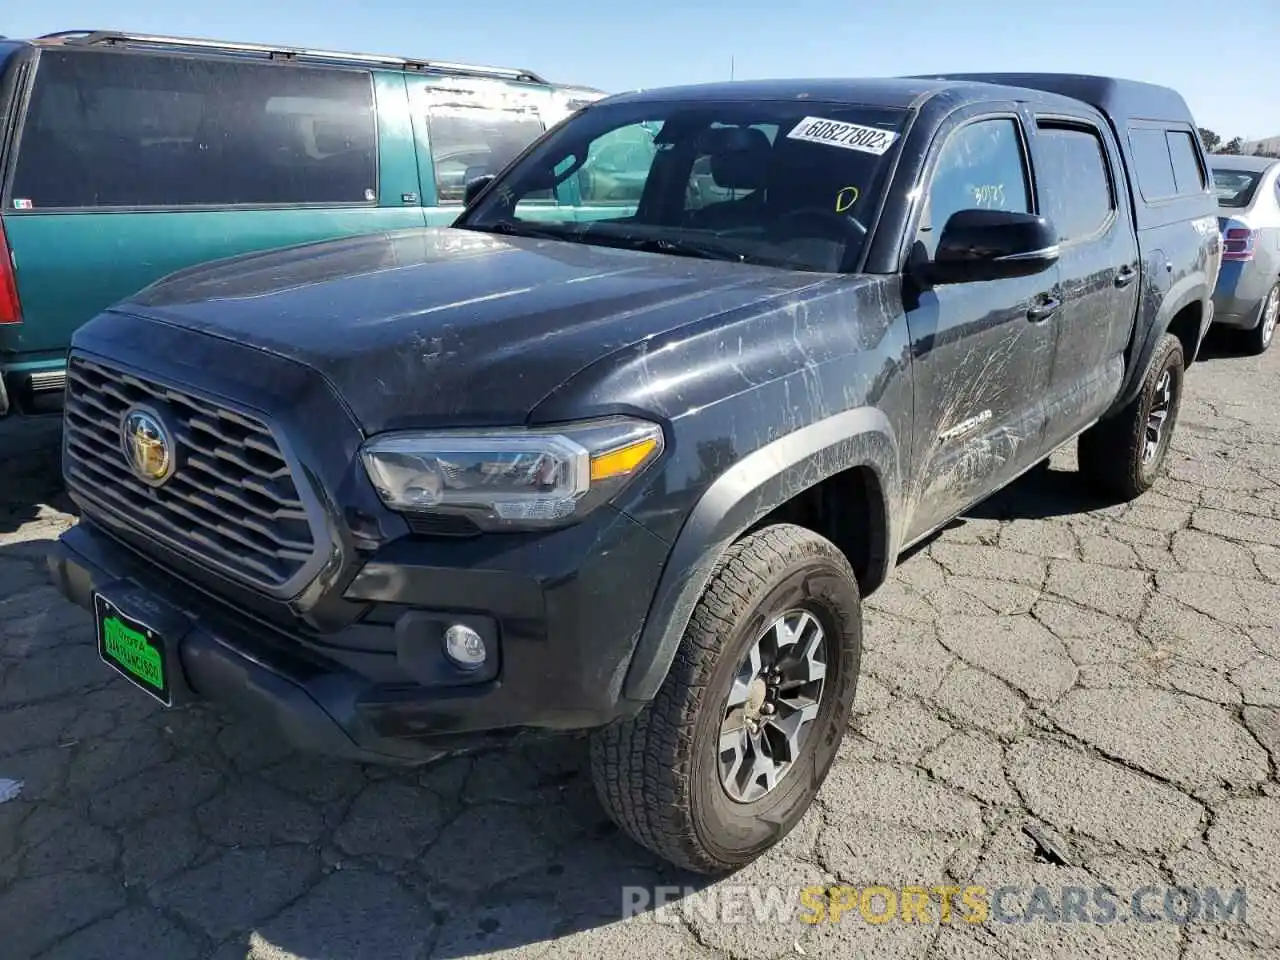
(474, 188)
(993, 245)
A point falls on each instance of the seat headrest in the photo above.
(739, 157)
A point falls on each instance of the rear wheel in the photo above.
(1268, 314)
(731, 752)
(1122, 456)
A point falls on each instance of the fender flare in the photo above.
(1182, 294)
(738, 499)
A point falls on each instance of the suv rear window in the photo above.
(1235, 188)
(123, 130)
(768, 182)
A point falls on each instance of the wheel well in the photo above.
(1185, 325)
(848, 509)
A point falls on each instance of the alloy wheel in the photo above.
(1270, 314)
(1161, 402)
(770, 709)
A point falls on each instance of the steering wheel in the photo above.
(832, 225)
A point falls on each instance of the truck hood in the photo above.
(444, 326)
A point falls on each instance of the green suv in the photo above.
(126, 157)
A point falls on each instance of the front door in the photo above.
(982, 351)
(1099, 268)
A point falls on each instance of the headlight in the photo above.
(516, 478)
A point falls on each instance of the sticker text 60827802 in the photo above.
(848, 136)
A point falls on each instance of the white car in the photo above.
(1247, 296)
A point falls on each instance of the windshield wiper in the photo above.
(678, 247)
(511, 229)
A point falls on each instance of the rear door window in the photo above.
(122, 130)
(470, 142)
(1071, 169)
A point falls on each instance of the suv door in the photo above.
(1077, 171)
(982, 351)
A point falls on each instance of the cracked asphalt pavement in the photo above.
(1105, 678)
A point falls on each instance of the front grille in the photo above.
(231, 501)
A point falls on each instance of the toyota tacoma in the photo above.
(626, 461)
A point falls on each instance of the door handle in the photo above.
(1043, 310)
(1126, 276)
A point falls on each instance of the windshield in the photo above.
(1235, 187)
(776, 183)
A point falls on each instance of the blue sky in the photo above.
(1223, 58)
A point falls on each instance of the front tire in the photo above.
(768, 668)
(1122, 456)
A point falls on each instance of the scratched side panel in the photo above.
(735, 383)
(980, 374)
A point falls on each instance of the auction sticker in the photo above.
(849, 136)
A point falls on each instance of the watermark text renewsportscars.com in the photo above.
(937, 904)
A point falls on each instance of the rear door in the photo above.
(130, 166)
(1079, 178)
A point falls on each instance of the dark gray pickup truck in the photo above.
(629, 465)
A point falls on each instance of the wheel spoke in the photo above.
(811, 667)
(791, 725)
(734, 747)
(788, 634)
(764, 770)
(739, 692)
(750, 669)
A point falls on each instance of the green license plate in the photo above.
(132, 648)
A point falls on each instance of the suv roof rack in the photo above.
(110, 38)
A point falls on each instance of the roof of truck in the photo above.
(1115, 96)
(892, 92)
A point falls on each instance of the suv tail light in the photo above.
(10, 308)
(1237, 243)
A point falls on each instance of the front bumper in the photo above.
(380, 689)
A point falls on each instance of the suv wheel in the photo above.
(731, 752)
(1122, 455)
(1268, 313)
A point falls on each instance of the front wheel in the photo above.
(733, 749)
(1123, 455)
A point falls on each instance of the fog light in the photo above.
(464, 647)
